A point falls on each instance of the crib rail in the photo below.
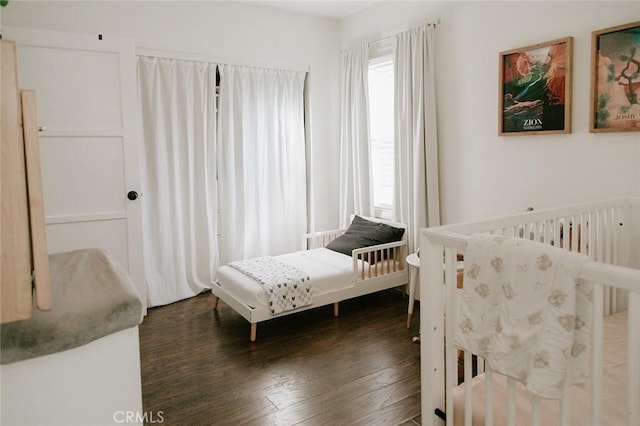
(605, 231)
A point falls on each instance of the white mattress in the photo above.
(329, 271)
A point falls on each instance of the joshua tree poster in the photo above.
(535, 89)
(615, 79)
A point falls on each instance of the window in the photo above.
(381, 136)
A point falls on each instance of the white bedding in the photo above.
(614, 384)
(328, 270)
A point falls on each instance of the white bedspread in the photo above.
(524, 311)
(328, 271)
(286, 286)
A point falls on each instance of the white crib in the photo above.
(609, 233)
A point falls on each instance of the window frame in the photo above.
(378, 51)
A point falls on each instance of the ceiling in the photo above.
(335, 9)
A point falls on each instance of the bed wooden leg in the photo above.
(409, 316)
(216, 299)
(254, 330)
(336, 309)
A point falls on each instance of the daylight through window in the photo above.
(381, 104)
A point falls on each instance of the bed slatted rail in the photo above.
(388, 257)
(608, 232)
(314, 240)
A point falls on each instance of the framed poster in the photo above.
(615, 79)
(535, 89)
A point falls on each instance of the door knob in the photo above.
(132, 195)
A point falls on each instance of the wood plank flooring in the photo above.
(199, 367)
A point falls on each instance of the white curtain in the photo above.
(262, 169)
(416, 192)
(177, 101)
(356, 194)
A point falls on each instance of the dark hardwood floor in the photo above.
(199, 367)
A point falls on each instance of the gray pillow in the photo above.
(365, 233)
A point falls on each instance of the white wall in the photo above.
(481, 174)
(484, 175)
(226, 32)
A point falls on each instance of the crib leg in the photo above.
(336, 309)
(216, 299)
(254, 330)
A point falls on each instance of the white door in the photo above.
(89, 143)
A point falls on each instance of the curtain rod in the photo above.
(201, 57)
(433, 24)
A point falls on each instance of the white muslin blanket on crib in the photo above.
(524, 310)
(286, 286)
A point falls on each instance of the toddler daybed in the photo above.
(332, 266)
(603, 354)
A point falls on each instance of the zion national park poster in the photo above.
(615, 79)
(535, 89)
